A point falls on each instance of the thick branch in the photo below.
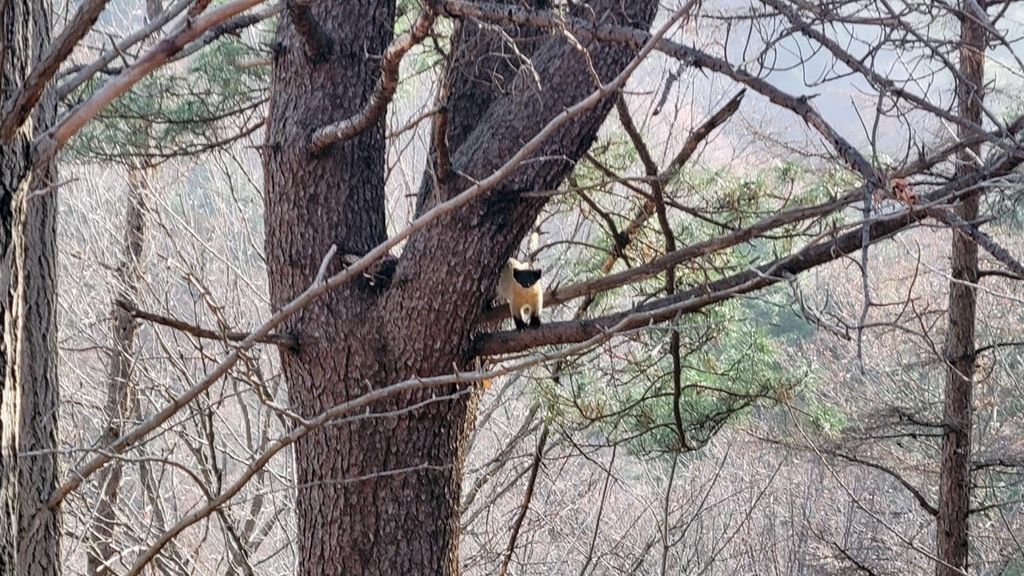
(18, 107)
(702, 132)
(699, 297)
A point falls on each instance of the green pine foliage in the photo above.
(734, 354)
(188, 107)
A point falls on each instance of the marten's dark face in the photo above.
(526, 278)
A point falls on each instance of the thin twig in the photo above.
(538, 456)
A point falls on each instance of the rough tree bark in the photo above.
(28, 393)
(952, 547)
(380, 495)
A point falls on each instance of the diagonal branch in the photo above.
(48, 144)
(922, 500)
(83, 75)
(386, 86)
(801, 106)
(286, 340)
(979, 238)
(538, 457)
(883, 83)
(18, 107)
(698, 297)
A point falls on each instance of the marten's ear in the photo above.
(526, 278)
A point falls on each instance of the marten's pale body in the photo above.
(519, 286)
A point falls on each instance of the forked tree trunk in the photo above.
(28, 393)
(952, 544)
(379, 495)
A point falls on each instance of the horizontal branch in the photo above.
(683, 255)
(286, 340)
(698, 297)
(382, 95)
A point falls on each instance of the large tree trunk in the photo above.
(380, 495)
(955, 475)
(29, 535)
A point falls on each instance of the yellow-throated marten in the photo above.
(519, 286)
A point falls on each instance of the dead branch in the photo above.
(285, 340)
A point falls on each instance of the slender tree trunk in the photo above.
(122, 398)
(121, 405)
(380, 495)
(955, 476)
(29, 536)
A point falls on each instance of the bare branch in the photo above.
(100, 63)
(381, 97)
(800, 106)
(917, 494)
(538, 455)
(699, 297)
(18, 107)
(979, 238)
(48, 144)
(285, 340)
(230, 26)
(687, 253)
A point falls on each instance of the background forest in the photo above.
(785, 320)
